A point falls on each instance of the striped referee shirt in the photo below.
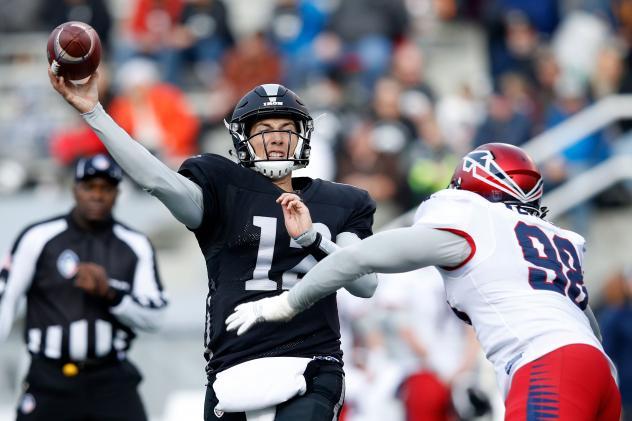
(62, 321)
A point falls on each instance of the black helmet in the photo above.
(270, 101)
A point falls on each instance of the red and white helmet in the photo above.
(500, 173)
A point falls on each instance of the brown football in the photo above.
(74, 51)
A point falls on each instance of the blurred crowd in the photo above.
(400, 88)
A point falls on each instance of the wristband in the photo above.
(307, 238)
(315, 250)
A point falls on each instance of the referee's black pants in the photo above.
(321, 402)
(102, 392)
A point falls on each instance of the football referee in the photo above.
(89, 282)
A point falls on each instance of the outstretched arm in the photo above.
(394, 251)
(298, 223)
(182, 196)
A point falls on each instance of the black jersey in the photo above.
(249, 255)
(62, 321)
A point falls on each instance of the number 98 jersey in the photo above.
(249, 255)
(522, 286)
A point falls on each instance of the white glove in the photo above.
(272, 309)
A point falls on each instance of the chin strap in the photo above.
(274, 170)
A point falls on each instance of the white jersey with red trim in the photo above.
(522, 285)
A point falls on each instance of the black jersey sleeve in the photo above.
(360, 220)
(206, 171)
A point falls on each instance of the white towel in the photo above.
(260, 384)
(266, 414)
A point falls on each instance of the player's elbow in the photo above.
(352, 264)
(364, 287)
(371, 282)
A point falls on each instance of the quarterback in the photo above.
(256, 243)
(515, 277)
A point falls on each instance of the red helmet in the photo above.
(500, 173)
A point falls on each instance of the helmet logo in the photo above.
(483, 167)
(272, 103)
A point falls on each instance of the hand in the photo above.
(272, 309)
(296, 214)
(83, 97)
(93, 279)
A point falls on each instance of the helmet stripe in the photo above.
(272, 89)
(484, 168)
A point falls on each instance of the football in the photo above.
(74, 51)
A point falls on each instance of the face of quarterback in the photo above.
(274, 138)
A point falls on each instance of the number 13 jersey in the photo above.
(249, 255)
(521, 287)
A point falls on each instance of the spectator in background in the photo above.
(371, 373)
(360, 38)
(149, 30)
(201, 36)
(69, 144)
(609, 71)
(458, 115)
(93, 12)
(293, 27)
(547, 74)
(252, 61)
(429, 164)
(416, 97)
(155, 113)
(577, 43)
(373, 155)
(427, 161)
(333, 118)
(503, 123)
(521, 42)
(518, 91)
(388, 110)
(362, 164)
(616, 328)
(571, 98)
(439, 353)
(407, 67)
(513, 26)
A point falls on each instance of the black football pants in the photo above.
(105, 392)
(321, 402)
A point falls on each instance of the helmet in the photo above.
(501, 173)
(270, 101)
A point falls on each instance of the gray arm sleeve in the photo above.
(180, 195)
(364, 286)
(394, 251)
(593, 323)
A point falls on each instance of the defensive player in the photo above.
(234, 210)
(515, 277)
